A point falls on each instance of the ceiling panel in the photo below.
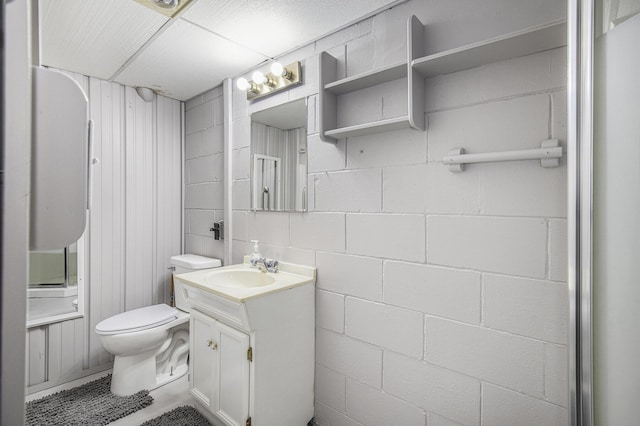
(186, 60)
(94, 37)
(272, 27)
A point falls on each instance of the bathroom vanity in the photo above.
(252, 344)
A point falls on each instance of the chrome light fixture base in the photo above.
(291, 77)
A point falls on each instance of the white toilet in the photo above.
(151, 344)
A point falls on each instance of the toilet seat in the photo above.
(137, 320)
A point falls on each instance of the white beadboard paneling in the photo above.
(94, 37)
(443, 292)
(496, 244)
(152, 152)
(107, 216)
(349, 357)
(387, 326)
(392, 236)
(169, 193)
(432, 388)
(352, 275)
(500, 358)
(36, 355)
(505, 407)
(533, 308)
(54, 351)
(375, 408)
(140, 200)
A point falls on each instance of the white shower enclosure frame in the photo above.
(594, 400)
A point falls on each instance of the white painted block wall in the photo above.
(441, 298)
(203, 175)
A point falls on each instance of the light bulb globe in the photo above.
(258, 77)
(242, 83)
(277, 69)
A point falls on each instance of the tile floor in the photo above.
(165, 398)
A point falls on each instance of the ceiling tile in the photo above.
(186, 60)
(273, 27)
(94, 37)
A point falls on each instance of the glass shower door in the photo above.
(616, 214)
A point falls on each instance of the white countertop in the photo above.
(288, 276)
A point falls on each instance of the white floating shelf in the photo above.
(396, 123)
(368, 79)
(521, 43)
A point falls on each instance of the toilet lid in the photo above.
(137, 319)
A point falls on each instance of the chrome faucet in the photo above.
(265, 265)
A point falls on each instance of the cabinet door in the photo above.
(203, 359)
(233, 378)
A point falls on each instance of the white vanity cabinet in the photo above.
(219, 368)
(252, 350)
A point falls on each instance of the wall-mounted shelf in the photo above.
(331, 89)
(417, 68)
(521, 43)
(367, 79)
(396, 123)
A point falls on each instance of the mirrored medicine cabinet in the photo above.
(279, 158)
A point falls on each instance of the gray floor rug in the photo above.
(181, 416)
(89, 404)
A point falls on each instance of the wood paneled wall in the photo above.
(134, 227)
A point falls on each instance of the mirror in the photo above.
(279, 158)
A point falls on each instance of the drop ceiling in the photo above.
(180, 57)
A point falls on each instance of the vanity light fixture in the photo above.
(280, 78)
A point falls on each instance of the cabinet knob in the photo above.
(213, 345)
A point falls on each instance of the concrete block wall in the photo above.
(204, 173)
(441, 298)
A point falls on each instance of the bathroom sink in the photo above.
(242, 282)
(239, 278)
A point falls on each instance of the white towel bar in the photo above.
(549, 155)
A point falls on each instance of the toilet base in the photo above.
(152, 369)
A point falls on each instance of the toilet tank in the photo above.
(188, 263)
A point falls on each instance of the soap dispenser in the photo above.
(255, 256)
